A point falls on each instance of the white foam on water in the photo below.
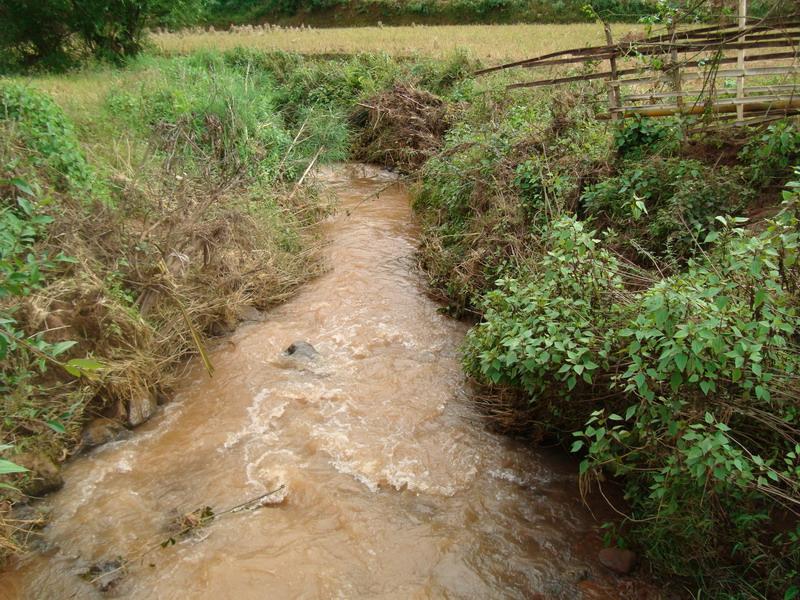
(354, 469)
(509, 475)
(258, 422)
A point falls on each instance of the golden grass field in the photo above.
(489, 43)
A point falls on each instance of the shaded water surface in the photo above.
(393, 489)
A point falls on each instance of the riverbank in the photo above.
(386, 479)
(147, 210)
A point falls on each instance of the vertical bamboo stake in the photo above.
(614, 100)
(676, 71)
(740, 62)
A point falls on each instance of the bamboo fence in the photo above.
(703, 70)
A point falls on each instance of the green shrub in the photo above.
(713, 410)
(687, 389)
(642, 136)
(49, 136)
(770, 156)
(54, 33)
(24, 222)
(549, 333)
(668, 207)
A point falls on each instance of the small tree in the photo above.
(50, 31)
(115, 29)
(34, 31)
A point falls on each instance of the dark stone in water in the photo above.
(302, 350)
(617, 559)
(102, 430)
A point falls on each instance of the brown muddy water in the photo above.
(393, 487)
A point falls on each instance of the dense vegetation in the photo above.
(326, 13)
(632, 308)
(635, 285)
(352, 12)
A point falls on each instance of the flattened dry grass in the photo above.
(484, 42)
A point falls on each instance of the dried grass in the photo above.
(165, 262)
(494, 43)
(401, 128)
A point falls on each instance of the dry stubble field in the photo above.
(489, 43)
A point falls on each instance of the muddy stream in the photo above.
(392, 486)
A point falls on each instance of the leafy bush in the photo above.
(25, 357)
(450, 11)
(53, 33)
(34, 31)
(770, 156)
(43, 128)
(643, 136)
(668, 207)
(688, 389)
(548, 333)
(713, 411)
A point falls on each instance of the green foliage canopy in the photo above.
(54, 33)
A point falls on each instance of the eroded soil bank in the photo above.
(393, 488)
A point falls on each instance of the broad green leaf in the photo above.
(6, 467)
(56, 426)
(83, 367)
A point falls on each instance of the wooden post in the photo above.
(614, 99)
(740, 81)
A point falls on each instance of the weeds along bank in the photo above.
(145, 210)
(636, 288)
(130, 238)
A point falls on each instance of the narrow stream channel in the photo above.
(393, 487)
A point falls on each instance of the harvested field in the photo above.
(485, 42)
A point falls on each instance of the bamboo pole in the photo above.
(685, 76)
(740, 62)
(722, 106)
(677, 82)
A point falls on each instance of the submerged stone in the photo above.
(101, 431)
(302, 350)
